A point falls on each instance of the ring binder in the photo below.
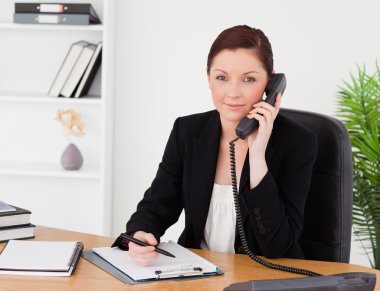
(184, 271)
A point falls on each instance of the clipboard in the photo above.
(162, 271)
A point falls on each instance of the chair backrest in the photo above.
(328, 212)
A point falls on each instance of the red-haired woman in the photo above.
(273, 165)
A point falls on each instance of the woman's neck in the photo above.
(228, 129)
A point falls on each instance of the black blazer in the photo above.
(272, 212)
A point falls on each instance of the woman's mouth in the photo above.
(233, 106)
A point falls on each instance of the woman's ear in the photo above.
(208, 80)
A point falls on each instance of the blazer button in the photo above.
(258, 217)
(256, 210)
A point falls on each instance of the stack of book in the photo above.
(78, 70)
(15, 223)
(55, 13)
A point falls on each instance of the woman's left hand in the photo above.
(265, 115)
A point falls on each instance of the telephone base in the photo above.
(358, 281)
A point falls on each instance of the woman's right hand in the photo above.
(143, 256)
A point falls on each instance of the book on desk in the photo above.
(15, 222)
(40, 258)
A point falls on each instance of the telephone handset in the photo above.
(276, 84)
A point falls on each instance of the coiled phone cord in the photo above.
(241, 229)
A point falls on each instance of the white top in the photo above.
(219, 232)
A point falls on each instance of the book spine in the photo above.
(69, 19)
(90, 73)
(78, 71)
(66, 67)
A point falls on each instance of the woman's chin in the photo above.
(233, 116)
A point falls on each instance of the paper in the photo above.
(38, 258)
(4, 207)
(184, 263)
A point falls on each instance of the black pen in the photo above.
(141, 243)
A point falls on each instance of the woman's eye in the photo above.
(249, 79)
(221, 78)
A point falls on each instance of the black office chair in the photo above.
(328, 213)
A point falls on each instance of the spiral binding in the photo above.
(241, 229)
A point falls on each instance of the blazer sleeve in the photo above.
(162, 203)
(275, 207)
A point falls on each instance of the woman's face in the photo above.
(237, 80)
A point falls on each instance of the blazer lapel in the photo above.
(205, 155)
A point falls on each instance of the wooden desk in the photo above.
(237, 268)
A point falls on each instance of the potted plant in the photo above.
(359, 108)
(71, 158)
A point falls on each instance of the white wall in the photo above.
(161, 51)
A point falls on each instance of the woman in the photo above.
(274, 163)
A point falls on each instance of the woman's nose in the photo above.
(234, 89)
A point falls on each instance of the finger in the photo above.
(145, 237)
(259, 118)
(264, 125)
(265, 105)
(139, 235)
(144, 260)
(278, 101)
(274, 109)
(268, 114)
(135, 248)
(146, 256)
(150, 239)
(277, 105)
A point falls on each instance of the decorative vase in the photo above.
(71, 158)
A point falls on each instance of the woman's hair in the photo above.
(243, 36)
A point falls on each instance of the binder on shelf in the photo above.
(61, 8)
(69, 19)
(67, 66)
(90, 72)
(78, 70)
(19, 216)
(40, 258)
(17, 232)
(186, 264)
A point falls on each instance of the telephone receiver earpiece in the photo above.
(276, 84)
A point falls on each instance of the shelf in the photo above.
(44, 98)
(52, 170)
(30, 168)
(17, 26)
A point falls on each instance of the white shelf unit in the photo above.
(32, 141)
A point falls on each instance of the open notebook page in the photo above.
(184, 260)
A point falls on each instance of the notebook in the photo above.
(40, 258)
(185, 263)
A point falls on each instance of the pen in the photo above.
(141, 243)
